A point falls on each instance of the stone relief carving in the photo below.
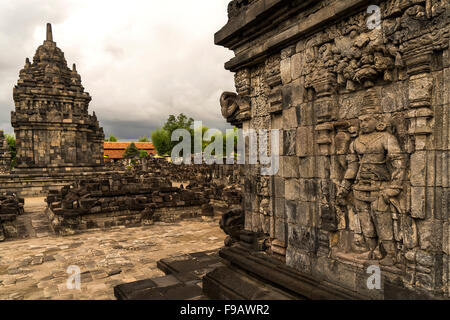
(375, 174)
(236, 6)
(235, 107)
(232, 223)
(385, 216)
(371, 149)
(355, 56)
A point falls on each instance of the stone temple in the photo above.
(53, 128)
(57, 140)
(361, 96)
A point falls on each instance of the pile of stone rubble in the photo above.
(134, 199)
(10, 207)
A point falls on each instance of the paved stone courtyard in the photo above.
(36, 267)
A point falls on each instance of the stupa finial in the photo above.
(49, 32)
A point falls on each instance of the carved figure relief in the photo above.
(375, 174)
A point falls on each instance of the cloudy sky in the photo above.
(139, 60)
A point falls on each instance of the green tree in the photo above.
(143, 139)
(161, 138)
(112, 138)
(131, 151)
(161, 141)
(11, 140)
(143, 153)
(179, 122)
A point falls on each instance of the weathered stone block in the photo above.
(285, 70)
(281, 230)
(309, 190)
(303, 238)
(306, 167)
(303, 215)
(280, 209)
(298, 259)
(289, 142)
(286, 94)
(306, 114)
(298, 92)
(291, 211)
(292, 189)
(290, 120)
(279, 186)
(305, 141)
(420, 88)
(297, 66)
(418, 164)
(290, 166)
(418, 201)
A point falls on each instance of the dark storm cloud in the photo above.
(140, 60)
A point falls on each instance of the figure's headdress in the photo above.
(371, 103)
(372, 106)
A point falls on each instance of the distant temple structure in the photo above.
(57, 140)
(54, 131)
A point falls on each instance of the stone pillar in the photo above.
(422, 268)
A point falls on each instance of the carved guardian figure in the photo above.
(375, 173)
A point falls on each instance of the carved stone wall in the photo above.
(5, 156)
(53, 128)
(364, 114)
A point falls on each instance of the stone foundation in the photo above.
(35, 185)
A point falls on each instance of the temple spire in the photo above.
(49, 32)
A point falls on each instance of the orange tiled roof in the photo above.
(124, 145)
(115, 150)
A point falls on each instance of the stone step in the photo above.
(183, 280)
(249, 270)
(162, 288)
(228, 283)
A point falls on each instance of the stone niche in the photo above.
(54, 131)
(363, 110)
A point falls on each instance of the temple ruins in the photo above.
(360, 94)
(57, 140)
(53, 128)
(363, 107)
